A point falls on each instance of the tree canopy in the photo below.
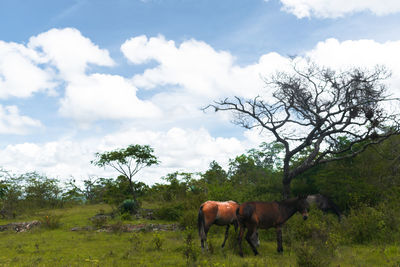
(127, 161)
(313, 109)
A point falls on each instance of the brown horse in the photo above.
(264, 215)
(219, 213)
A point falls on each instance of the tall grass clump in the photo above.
(50, 221)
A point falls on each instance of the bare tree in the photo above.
(314, 109)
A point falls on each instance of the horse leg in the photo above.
(241, 231)
(226, 235)
(249, 236)
(235, 225)
(279, 238)
(206, 229)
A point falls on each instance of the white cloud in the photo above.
(360, 53)
(339, 8)
(196, 67)
(11, 122)
(88, 97)
(177, 149)
(19, 74)
(188, 76)
(102, 96)
(69, 51)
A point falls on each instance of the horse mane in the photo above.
(289, 201)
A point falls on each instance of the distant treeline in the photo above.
(369, 179)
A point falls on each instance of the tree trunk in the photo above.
(286, 179)
(286, 188)
(132, 190)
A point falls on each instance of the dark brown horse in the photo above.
(325, 204)
(264, 215)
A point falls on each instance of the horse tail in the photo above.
(201, 223)
(247, 213)
(238, 217)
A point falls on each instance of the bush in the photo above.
(169, 212)
(99, 221)
(126, 216)
(319, 226)
(189, 250)
(188, 220)
(129, 206)
(313, 255)
(365, 224)
(50, 221)
(158, 241)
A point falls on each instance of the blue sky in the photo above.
(79, 77)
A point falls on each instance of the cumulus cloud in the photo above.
(360, 53)
(11, 122)
(87, 97)
(95, 96)
(19, 74)
(69, 51)
(177, 149)
(196, 67)
(187, 76)
(339, 8)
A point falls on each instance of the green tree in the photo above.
(215, 174)
(127, 161)
(311, 107)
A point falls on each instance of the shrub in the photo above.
(169, 212)
(99, 221)
(190, 253)
(129, 206)
(50, 221)
(364, 224)
(313, 255)
(126, 216)
(158, 241)
(318, 227)
(188, 220)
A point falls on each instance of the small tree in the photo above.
(127, 161)
(313, 109)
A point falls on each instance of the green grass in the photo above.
(62, 247)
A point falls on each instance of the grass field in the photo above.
(63, 247)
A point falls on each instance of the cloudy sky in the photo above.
(86, 76)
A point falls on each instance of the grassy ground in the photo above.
(62, 247)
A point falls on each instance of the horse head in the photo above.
(303, 206)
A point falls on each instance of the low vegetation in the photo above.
(97, 223)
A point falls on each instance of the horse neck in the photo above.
(288, 208)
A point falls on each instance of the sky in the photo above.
(86, 76)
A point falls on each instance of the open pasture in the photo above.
(62, 247)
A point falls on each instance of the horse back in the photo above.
(262, 214)
(220, 213)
